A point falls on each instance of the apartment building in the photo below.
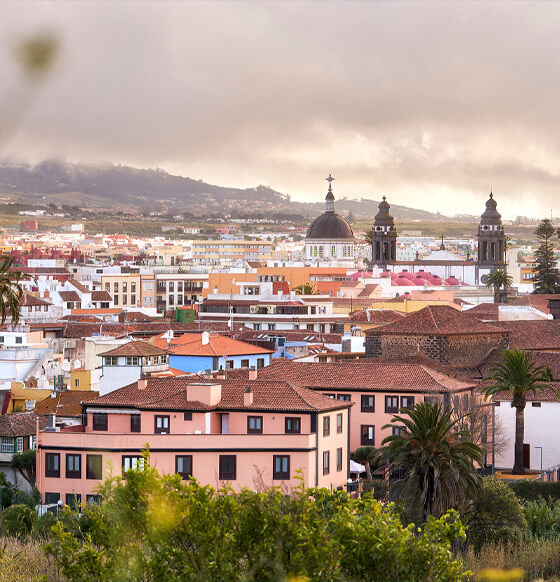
(247, 433)
(223, 252)
(178, 289)
(124, 288)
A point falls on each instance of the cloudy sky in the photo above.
(430, 103)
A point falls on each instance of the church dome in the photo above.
(330, 226)
(491, 214)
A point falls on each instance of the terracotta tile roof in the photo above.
(69, 296)
(172, 394)
(31, 301)
(79, 286)
(108, 311)
(548, 396)
(541, 334)
(218, 345)
(101, 296)
(436, 320)
(65, 403)
(379, 316)
(20, 424)
(368, 290)
(135, 348)
(485, 311)
(536, 300)
(363, 375)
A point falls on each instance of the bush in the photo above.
(17, 520)
(543, 519)
(153, 527)
(528, 490)
(495, 515)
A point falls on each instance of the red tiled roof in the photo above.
(79, 286)
(376, 316)
(541, 334)
(485, 311)
(135, 348)
(69, 296)
(436, 320)
(368, 290)
(363, 375)
(218, 345)
(536, 300)
(20, 424)
(101, 296)
(66, 403)
(172, 393)
(31, 301)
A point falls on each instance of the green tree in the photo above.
(546, 274)
(495, 515)
(370, 457)
(436, 456)
(25, 464)
(18, 520)
(11, 291)
(518, 374)
(369, 237)
(158, 528)
(306, 289)
(499, 279)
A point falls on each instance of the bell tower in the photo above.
(491, 237)
(383, 237)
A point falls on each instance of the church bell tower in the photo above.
(383, 237)
(491, 238)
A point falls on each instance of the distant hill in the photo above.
(124, 187)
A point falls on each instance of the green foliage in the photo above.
(306, 289)
(499, 279)
(495, 515)
(543, 519)
(518, 374)
(370, 457)
(17, 520)
(25, 464)
(529, 489)
(546, 273)
(23, 561)
(436, 456)
(159, 528)
(11, 290)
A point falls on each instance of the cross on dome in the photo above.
(330, 179)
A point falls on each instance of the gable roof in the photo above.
(135, 348)
(79, 286)
(31, 301)
(67, 403)
(20, 424)
(543, 334)
(218, 345)
(376, 316)
(364, 375)
(101, 296)
(69, 296)
(437, 320)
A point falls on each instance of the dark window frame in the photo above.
(365, 407)
(187, 416)
(339, 423)
(326, 462)
(74, 500)
(280, 475)
(184, 475)
(405, 399)
(162, 430)
(254, 430)
(339, 454)
(135, 423)
(293, 420)
(227, 475)
(100, 421)
(365, 441)
(51, 471)
(391, 408)
(326, 425)
(91, 474)
(75, 474)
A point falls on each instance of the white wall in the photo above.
(541, 430)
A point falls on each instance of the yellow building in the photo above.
(20, 394)
(124, 288)
(83, 380)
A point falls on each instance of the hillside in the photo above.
(133, 189)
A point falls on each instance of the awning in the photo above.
(356, 467)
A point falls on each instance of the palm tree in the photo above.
(369, 457)
(518, 374)
(306, 289)
(11, 291)
(499, 279)
(436, 455)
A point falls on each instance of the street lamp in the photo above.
(541, 458)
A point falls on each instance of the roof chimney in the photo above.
(252, 373)
(248, 396)
(142, 384)
(205, 338)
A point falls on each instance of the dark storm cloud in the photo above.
(431, 103)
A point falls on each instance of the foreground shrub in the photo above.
(158, 528)
(495, 515)
(543, 518)
(17, 520)
(528, 490)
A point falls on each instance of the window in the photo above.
(132, 463)
(244, 363)
(333, 396)
(484, 429)
(187, 416)
(228, 467)
(368, 403)
(76, 382)
(99, 421)
(124, 287)
(73, 466)
(93, 499)
(293, 425)
(367, 434)
(391, 403)
(1, 339)
(133, 287)
(115, 299)
(73, 500)
(132, 361)
(19, 339)
(326, 425)
(407, 401)
(94, 467)
(260, 363)
(161, 424)
(183, 466)
(399, 431)
(111, 361)
(326, 462)
(52, 465)
(52, 498)
(280, 467)
(344, 397)
(19, 444)
(254, 424)
(536, 404)
(34, 442)
(135, 423)
(339, 459)
(432, 399)
(339, 423)
(115, 287)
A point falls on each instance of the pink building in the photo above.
(251, 433)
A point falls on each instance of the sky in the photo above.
(429, 103)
